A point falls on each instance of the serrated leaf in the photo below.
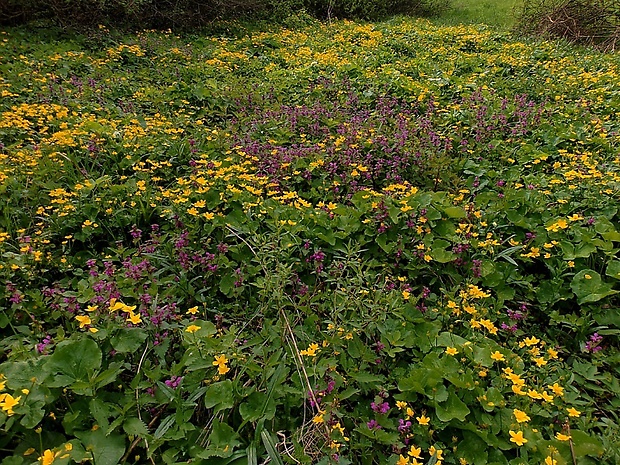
(135, 427)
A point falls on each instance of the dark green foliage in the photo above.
(186, 14)
(373, 9)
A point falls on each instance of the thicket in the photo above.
(184, 14)
(588, 22)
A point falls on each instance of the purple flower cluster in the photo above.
(173, 382)
(593, 344)
(382, 408)
(42, 346)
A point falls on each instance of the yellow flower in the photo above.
(521, 416)
(561, 437)
(534, 394)
(437, 453)
(84, 320)
(401, 405)
(415, 452)
(192, 311)
(310, 351)
(572, 412)
(423, 420)
(48, 457)
(451, 351)
(550, 461)
(406, 295)
(318, 418)
(546, 396)
(220, 362)
(7, 402)
(135, 318)
(516, 379)
(557, 389)
(402, 460)
(192, 328)
(517, 438)
(497, 356)
(540, 361)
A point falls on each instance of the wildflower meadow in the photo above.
(311, 243)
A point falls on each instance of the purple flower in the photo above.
(593, 344)
(380, 408)
(174, 382)
(403, 425)
(372, 424)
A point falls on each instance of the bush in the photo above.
(186, 14)
(374, 9)
(588, 22)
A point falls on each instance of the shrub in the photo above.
(375, 9)
(187, 14)
(588, 22)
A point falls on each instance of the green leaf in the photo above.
(76, 360)
(452, 408)
(135, 427)
(257, 405)
(589, 287)
(128, 339)
(455, 212)
(106, 449)
(4, 320)
(613, 269)
(447, 339)
(442, 255)
(219, 395)
(473, 449)
(385, 243)
(33, 415)
(227, 283)
(164, 426)
(363, 377)
(270, 446)
(585, 444)
(222, 441)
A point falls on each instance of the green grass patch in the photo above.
(501, 13)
